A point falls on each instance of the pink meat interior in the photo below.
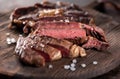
(62, 33)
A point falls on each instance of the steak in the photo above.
(63, 33)
(55, 30)
(46, 48)
(95, 43)
(28, 16)
(69, 30)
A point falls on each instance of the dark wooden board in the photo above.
(107, 60)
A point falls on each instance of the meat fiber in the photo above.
(62, 33)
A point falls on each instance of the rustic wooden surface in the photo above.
(107, 60)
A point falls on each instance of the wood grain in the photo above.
(107, 60)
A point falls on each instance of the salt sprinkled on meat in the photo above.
(61, 20)
(66, 20)
(42, 45)
(24, 22)
(31, 46)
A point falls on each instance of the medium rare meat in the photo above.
(27, 55)
(55, 30)
(62, 33)
(69, 30)
(95, 43)
(46, 48)
(27, 16)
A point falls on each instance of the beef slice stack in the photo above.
(55, 30)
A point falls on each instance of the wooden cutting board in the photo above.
(107, 60)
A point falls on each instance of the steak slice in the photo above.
(95, 43)
(27, 55)
(62, 33)
(68, 49)
(36, 49)
(22, 17)
(55, 29)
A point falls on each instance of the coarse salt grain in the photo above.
(83, 65)
(72, 68)
(8, 40)
(42, 45)
(61, 20)
(66, 20)
(20, 35)
(72, 65)
(50, 66)
(66, 66)
(13, 40)
(74, 61)
(95, 62)
(24, 22)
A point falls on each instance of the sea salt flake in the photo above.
(66, 66)
(13, 40)
(50, 66)
(95, 62)
(72, 65)
(72, 68)
(8, 40)
(66, 20)
(83, 65)
(74, 61)
(42, 45)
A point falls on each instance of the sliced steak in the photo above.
(22, 17)
(74, 29)
(62, 33)
(55, 30)
(46, 48)
(95, 43)
(27, 55)
(64, 46)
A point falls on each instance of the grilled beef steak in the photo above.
(46, 48)
(69, 30)
(27, 16)
(55, 30)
